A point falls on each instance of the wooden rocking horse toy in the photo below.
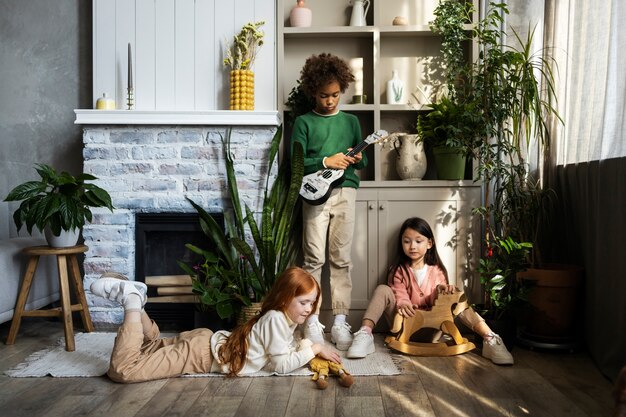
(441, 317)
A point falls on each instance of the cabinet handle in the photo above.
(371, 207)
(382, 207)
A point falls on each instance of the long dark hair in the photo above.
(292, 283)
(422, 227)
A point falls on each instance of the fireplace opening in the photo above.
(160, 240)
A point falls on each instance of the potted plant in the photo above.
(449, 131)
(240, 57)
(57, 204)
(505, 293)
(216, 285)
(511, 89)
(298, 102)
(244, 273)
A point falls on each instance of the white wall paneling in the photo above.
(144, 53)
(178, 47)
(124, 34)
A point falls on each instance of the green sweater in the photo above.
(323, 136)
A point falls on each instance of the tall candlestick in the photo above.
(130, 67)
(130, 98)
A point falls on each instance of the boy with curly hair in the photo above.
(326, 135)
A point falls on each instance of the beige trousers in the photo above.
(141, 357)
(383, 302)
(332, 221)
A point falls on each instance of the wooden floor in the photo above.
(539, 384)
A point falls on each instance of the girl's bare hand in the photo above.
(446, 289)
(326, 352)
(407, 310)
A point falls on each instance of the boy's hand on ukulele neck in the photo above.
(339, 161)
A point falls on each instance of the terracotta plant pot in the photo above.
(552, 302)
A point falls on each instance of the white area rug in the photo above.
(93, 351)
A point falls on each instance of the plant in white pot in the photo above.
(58, 204)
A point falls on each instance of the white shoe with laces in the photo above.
(362, 345)
(314, 331)
(495, 350)
(118, 289)
(341, 335)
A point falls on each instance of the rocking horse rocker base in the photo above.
(441, 317)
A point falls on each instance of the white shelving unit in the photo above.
(384, 201)
(373, 51)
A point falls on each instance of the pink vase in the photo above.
(300, 15)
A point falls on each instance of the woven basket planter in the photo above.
(247, 313)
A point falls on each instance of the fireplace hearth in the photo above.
(160, 240)
(154, 169)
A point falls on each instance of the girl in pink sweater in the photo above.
(414, 281)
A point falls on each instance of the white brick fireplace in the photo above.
(151, 169)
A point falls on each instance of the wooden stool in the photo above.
(66, 309)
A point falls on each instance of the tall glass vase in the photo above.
(241, 90)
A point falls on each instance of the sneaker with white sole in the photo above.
(314, 331)
(341, 335)
(495, 350)
(362, 345)
(118, 288)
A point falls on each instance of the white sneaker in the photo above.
(341, 336)
(362, 345)
(495, 350)
(118, 289)
(314, 331)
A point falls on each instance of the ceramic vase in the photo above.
(411, 161)
(65, 239)
(300, 15)
(395, 89)
(241, 90)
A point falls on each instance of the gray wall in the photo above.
(45, 73)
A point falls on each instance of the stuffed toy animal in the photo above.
(321, 367)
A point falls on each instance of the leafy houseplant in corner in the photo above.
(57, 203)
(237, 273)
(505, 293)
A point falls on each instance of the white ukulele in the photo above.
(316, 187)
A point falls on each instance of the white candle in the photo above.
(130, 68)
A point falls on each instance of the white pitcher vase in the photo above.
(411, 161)
(359, 12)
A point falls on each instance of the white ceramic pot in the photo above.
(66, 239)
(411, 162)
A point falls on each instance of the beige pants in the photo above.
(332, 221)
(383, 302)
(141, 357)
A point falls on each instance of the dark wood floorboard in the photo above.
(539, 384)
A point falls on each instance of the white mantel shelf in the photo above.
(142, 117)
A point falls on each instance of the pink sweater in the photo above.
(406, 290)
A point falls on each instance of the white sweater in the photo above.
(270, 341)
